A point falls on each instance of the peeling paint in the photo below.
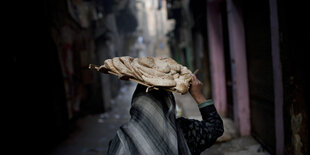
(296, 121)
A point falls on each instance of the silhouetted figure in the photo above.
(154, 128)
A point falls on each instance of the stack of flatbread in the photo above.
(154, 72)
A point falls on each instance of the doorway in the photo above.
(260, 71)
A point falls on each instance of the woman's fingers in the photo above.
(194, 78)
(195, 81)
(196, 90)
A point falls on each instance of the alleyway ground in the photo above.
(94, 131)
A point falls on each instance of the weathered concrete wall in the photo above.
(75, 46)
(239, 68)
(294, 46)
(216, 50)
(86, 32)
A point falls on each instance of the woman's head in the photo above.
(164, 98)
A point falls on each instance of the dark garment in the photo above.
(154, 129)
(202, 134)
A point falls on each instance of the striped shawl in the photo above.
(154, 130)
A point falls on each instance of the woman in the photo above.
(154, 129)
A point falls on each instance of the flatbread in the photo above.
(161, 65)
(121, 67)
(127, 62)
(149, 71)
(152, 71)
(109, 65)
(173, 64)
(134, 65)
(146, 61)
(185, 70)
(181, 88)
(159, 82)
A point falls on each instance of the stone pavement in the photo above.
(229, 143)
(94, 132)
(238, 146)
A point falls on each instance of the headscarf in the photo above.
(152, 128)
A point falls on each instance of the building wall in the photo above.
(294, 38)
(257, 41)
(239, 69)
(216, 52)
(153, 25)
(259, 56)
(76, 34)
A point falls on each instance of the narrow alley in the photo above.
(94, 132)
(250, 57)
